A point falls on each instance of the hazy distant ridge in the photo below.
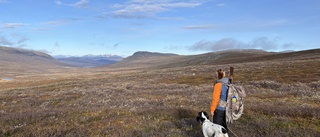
(89, 60)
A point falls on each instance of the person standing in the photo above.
(219, 99)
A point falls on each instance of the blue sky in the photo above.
(122, 27)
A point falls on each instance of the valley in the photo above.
(154, 94)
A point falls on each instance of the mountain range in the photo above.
(89, 60)
(15, 59)
(159, 60)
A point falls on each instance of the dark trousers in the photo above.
(219, 118)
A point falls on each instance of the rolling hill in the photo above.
(15, 61)
(9, 52)
(149, 59)
(143, 59)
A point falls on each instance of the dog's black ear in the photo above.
(199, 116)
(198, 119)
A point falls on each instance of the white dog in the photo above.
(210, 129)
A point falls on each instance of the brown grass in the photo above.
(282, 100)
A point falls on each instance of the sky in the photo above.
(185, 27)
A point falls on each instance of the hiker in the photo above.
(220, 92)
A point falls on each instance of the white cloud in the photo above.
(58, 2)
(207, 26)
(61, 21)
(220, 5)
(136, 8)
(148, 8)
(264, 43)
(16, 40)
(13, 25)
(19, 39)
(230, 43)
(5, 42)
(181, 5)
(78, 4)
(223, 44)
(40, 29)
(57, 22)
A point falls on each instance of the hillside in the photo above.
(15, 61)
(8, 52)
(245, 56)
(143, 59)
(148, 59)
(143, 54)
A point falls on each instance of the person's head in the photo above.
(221, 74)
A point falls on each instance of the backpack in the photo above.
(235, 103)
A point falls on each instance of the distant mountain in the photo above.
(22, 61)
(142, 59)
(143, 54)
(287, 51)
(160, 60)
(89, 60)
(22, 52)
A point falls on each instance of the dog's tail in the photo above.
(225, 132)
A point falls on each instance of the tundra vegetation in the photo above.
(282, 99)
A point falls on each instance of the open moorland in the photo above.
(160, 95)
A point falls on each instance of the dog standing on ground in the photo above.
(210, 129)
